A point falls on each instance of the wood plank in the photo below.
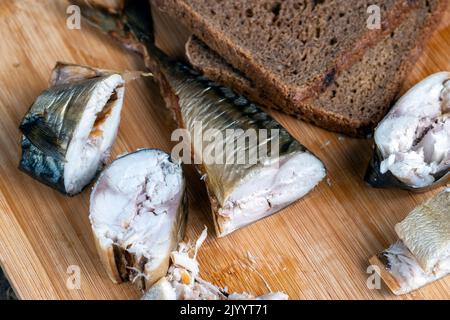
(317, 248)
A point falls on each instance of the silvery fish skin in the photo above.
(67, 73)
(412, 143)
(68, 131)
(422, 253)
(240, 194)
(138, 211)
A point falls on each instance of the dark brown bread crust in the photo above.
(376, 101)
(217, 69)
(289, 95)
(360, 96)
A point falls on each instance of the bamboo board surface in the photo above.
(317, 248)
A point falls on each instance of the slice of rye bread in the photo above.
(360, 96)
(294, 49)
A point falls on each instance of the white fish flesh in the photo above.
(412, 143)
(138, 210)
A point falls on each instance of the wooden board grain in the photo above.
(318, 248)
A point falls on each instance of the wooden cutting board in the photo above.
(317, 248)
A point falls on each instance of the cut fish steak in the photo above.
(182, 281)
(412, 143)
(240, 194)
(138, 209)
(422, 255)
(70, 128)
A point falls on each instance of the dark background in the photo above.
(6, 293)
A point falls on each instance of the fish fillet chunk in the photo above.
(138, 209)
(412, 143)
(422, 255)
(69, 130)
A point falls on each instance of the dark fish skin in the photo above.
(49, 124)
(113, 6)
(44, 168)
(377, 179)
(387, 180)
(192, 97)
